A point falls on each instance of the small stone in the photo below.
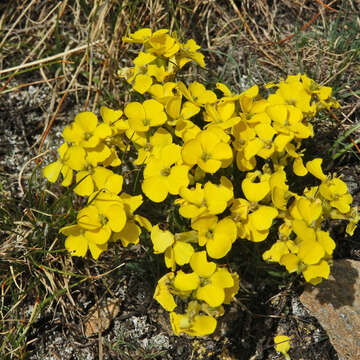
(336, 305)
(101, 317)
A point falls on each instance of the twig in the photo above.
(45, 133)
(339, 122)
(50, 58)
(305, 26)
(16, 22)
(32, 83)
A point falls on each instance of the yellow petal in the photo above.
(155, 188)
(191, 152)
(114, 183)
(203, 325)
(88, 218)
(87, 120)
(290, 261)
(161, 239)
(76, 244)
(310, 252)
(314, 273)
(255, 191)
(303, 231)
(186, 282)
(162, 294)
(85, 184)
(309, 210)
(212, 295)
(183, 252)
(263, 217)
(328, 244)
(52, 171)
(314, 167)
(97, 249)
(222, 278)
(200, 265)
(282, 344)
(110, 116)
(299, 168)
(99, 236)
(116, 216)
(75, 158)
(142, 83)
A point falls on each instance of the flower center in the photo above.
(165, 172)
(209, 234)
(103, 219)
(205, 157)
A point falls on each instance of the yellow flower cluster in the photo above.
(219, 159)
(89, 150)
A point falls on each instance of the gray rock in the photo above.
(336, 304)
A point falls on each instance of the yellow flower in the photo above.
(221, 114)
(213, 293)
(157, 141)
(306, 209)
(200, 325)
(158, 72)
(188, 52)
(279, 249)
(197, 93)
(201, 266)
(99, 224)
(163, 175)
(186, 283)
(209, 150)
(292, 92)
(113, 119)
(315, 273)
(93, 229)
(335, 191)
(280, 193)
(131, 232)
(282, 345)
(53, 170)
(218, 236)
(259, 222)
(162, 44)
(256, 191)
(177, 248)
(85, 131)
(163, 93)
(139, 36)
(143, 116)
(212, 199)
(98, 178)
(162, 293)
